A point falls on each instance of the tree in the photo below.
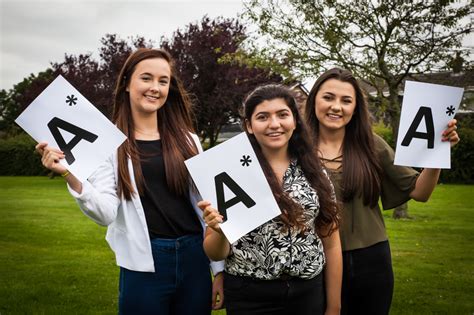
(15, 100)
(94, 79)
(209, 58)
(379, 41)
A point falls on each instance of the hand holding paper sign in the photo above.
(82, 137)
(211, 216)
(216, 244)
(427, 110)
(230, 177)
(50, 158)
(451, 134)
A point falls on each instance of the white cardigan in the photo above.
(127, 231)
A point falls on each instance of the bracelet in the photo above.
(65, 174)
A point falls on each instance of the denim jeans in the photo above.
(181, 283)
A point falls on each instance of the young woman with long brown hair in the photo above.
(143, 194)
(361, 168)
(277, 267)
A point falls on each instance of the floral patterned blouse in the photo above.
(273, 249)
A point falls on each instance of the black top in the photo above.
(167, 214)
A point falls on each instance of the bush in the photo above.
(462, 157)
(385, 132)
(18, 157)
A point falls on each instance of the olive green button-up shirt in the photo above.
(361, 225)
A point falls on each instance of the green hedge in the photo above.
(462, 160)
(385, 132)
(17, 157)
(462, 154)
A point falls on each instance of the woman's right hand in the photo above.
(50, 157)
(211, 216)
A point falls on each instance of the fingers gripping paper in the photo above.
(66, 120)
(230, 177)
(426, 111)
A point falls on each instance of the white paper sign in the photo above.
(426, 111)
(231, 173)
(65, 119)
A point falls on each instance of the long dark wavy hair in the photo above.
(174, 124)
(361, 171)
(301, 148)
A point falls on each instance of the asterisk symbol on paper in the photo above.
(246, 160)
(71, 99)
(450, 110)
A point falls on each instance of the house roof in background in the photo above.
(464, 79)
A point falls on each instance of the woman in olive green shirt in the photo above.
(361, 167)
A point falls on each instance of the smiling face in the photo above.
(149, 86)
(335, 103)
(272, 123)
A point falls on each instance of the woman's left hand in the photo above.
(210, 215)
(218, 290)
(450, 134)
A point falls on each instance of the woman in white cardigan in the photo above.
(144, 195)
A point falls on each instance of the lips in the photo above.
(334, 116)
(274, 134)
(152, 97)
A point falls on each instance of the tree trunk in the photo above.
(212, 138)
(401, 212)
(394, 112)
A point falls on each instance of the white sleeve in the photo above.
(197, 142)
(217, 266)
(98, 199)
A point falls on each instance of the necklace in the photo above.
(155, 133)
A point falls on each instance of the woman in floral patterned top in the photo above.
(277, 268)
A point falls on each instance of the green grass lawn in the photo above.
(433, 254)
(53, 260)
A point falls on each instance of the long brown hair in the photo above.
(301, 148)
(174, 124)
(361, 171)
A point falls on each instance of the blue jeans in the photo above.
(181, 283)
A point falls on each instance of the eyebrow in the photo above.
(161, 77)
(344, 96)
(281, 110)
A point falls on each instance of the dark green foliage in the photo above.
(14, 101)
(462, 157)
(462, 154)
(18, 157)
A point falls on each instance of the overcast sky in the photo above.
(36, 32)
